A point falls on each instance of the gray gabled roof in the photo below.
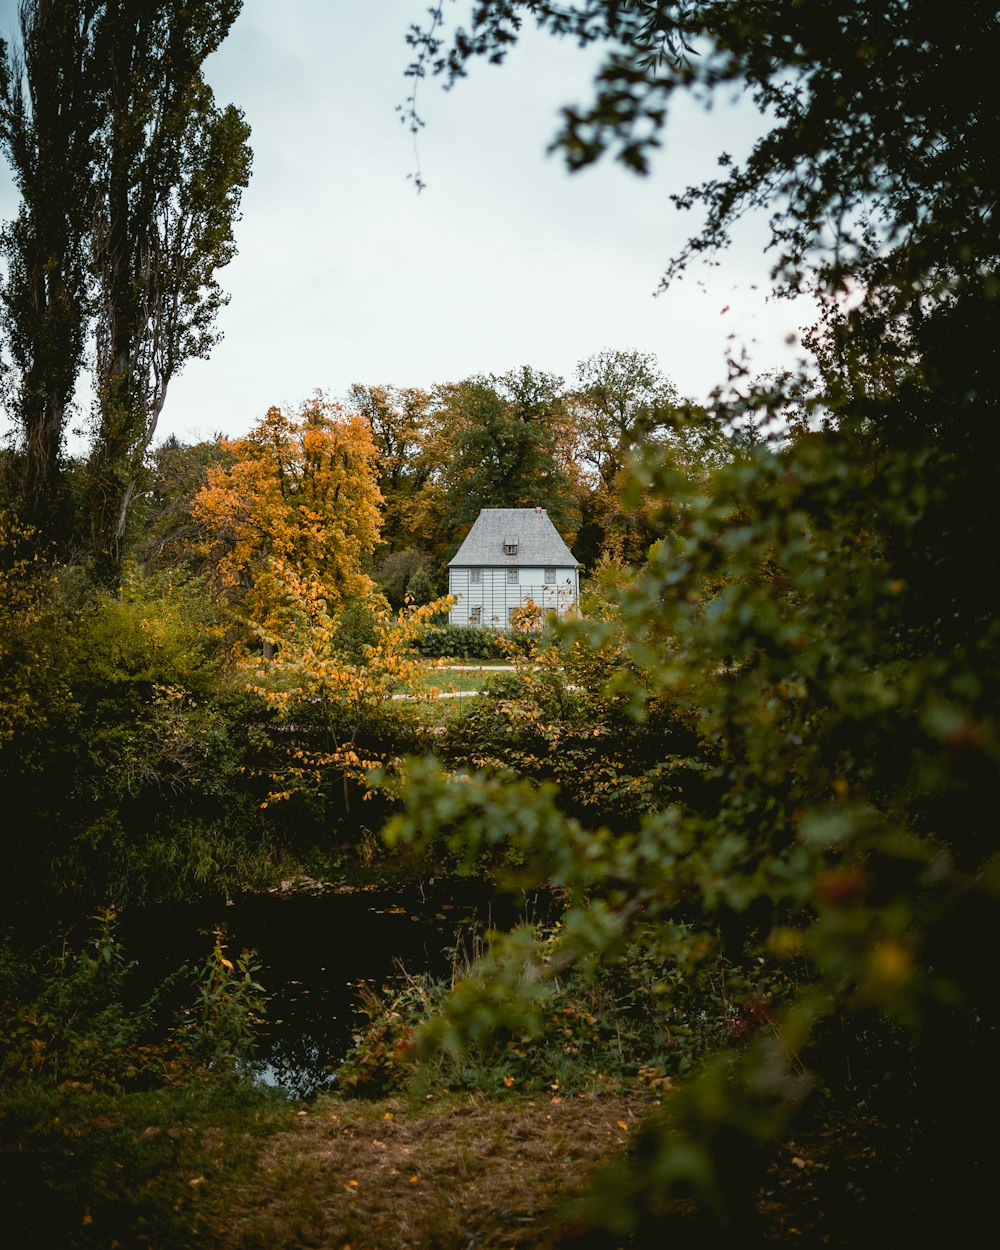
(538, 541)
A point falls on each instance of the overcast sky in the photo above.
(345, 274)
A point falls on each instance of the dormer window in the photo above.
(510, 545)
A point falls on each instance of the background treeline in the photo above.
(523, 439)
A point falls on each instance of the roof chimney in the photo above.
(539, 511)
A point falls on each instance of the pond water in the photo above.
(315, 951)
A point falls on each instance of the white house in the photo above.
(511, 556)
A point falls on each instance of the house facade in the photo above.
(511, 556)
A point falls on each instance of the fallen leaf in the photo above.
(352, 1184)
(197, 1180)
(508, 1081)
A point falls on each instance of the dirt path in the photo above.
(458, 1174)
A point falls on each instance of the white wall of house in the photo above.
(486, 596)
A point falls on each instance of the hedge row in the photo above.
(471, 642)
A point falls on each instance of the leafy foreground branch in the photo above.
(848, 746)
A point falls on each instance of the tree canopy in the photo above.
(867, 109)
(298, 494)
(505, 433)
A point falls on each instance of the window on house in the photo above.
(550, 577)
(512, 577)
(510, 614)
(475, 616)
(510, 545)
(475, 577)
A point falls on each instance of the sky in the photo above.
(346, 273)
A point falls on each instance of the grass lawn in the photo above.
(445, 679)
(451, 679)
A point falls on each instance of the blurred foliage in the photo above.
(818, 608)
(803, 791)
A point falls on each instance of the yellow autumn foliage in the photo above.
(298, 493)
(310, 668)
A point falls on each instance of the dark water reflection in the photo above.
(315, 950)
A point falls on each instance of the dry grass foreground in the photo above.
(459, 1173)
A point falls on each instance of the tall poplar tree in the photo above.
(49, 116)
(171, 171)
(131, 177)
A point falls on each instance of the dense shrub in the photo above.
(420, 588)
(543, 723)
(356, 628)
(69, 1015)
(395, 572)
(130, 757)
(642, 1016)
